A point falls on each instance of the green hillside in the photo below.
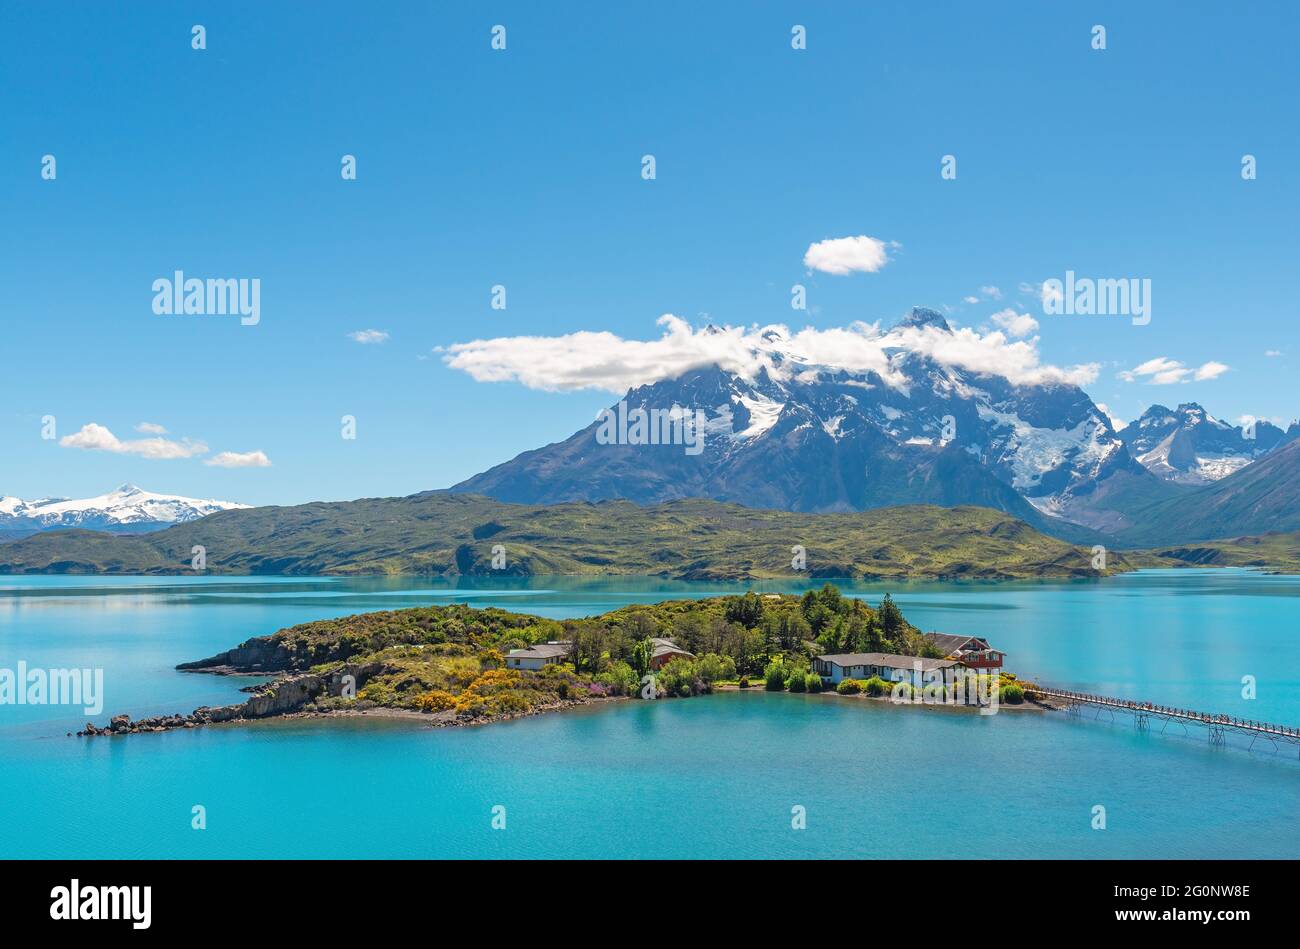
(443, 534)
(1275, 553)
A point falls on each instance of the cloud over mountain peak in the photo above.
(608, 362)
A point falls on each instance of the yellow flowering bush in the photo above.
(435, 701)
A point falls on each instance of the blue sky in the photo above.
(523, 168)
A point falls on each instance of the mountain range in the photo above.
(1260, 498)
(799, 436)
(127, 510)
(1187, 445)
(790, 436)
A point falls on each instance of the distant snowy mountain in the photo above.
(126, 510)
(806, 437)
(1259, 498)
(1187, 445)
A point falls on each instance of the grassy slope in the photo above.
(454, 534)
(1275, 552)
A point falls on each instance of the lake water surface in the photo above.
(707, 777)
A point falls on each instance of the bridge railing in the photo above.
(1206, 718)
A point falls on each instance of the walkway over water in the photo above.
(1217, 726)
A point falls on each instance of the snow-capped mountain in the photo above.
(805, 437)
(127, 510)
(1190, 446)
(1262, 497)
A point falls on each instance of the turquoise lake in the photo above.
(713, 776)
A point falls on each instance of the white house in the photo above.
(892, 668)
(539, 655)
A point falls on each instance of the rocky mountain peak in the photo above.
(922, 316)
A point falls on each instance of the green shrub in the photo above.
(797, 666)
(812, 682)
(681, 677)
(797, 683)
(849, 687)
(902, 691)
(938, 692)
(508, 702)
(774, 677)
(744, 682)
(619, 678)
(378, 692)
(877, 686)
(1012, 694)
(711, 667)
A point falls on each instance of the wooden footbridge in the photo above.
(1217, 726)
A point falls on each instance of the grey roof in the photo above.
(951, 642)
(541, 651)
(666, 647)
(889, 659)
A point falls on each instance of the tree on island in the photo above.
(642, 652)
(746, 610)
(891, 619)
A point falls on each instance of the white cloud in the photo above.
(1163, 371)
(1159, 371)
(1278, 420)
(846, 255)
(369, 336)
(992, 293)
(95, 437)
(238, 459)
(970, 300)
(1272, 353)
(605, 361)
(1015, 324)
(151, 428)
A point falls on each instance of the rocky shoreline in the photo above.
(291, 696)
(283, 696)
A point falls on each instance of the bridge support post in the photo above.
(1217, 735)
(1142, 721)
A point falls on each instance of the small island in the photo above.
(458, 665)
